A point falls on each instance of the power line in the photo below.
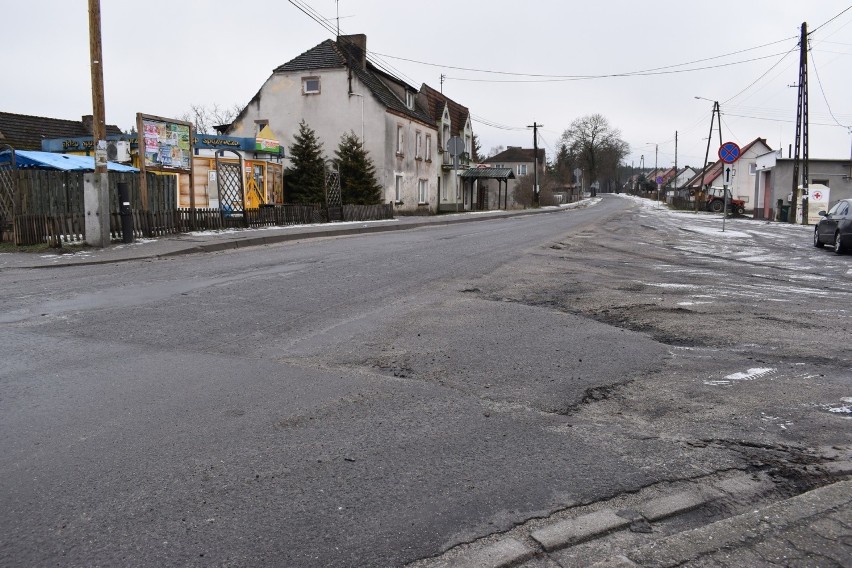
(613, 75)
(830, 20)
(825, 98)
(309, 11)
(782, 120)
(494, 124)
(753, 83)
(556, 76)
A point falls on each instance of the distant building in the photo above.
(25, 132)
(522, 162)
(742, 186)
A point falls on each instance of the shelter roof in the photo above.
(32, 159)
(488, 173)
(25, 132)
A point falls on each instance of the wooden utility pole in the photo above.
(535, 126)
(99, 113)
(96, 185)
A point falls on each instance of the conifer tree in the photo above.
(305, 179)
(358, 183)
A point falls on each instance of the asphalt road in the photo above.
(373, 400)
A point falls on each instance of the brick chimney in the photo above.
(356, 45)
(88, 123)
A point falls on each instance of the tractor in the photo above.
(715, 201)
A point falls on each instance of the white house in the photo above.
(745, 169)
(335, 90)
(451, 119)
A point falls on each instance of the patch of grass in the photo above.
(41, 248)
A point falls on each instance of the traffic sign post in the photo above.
(456, 147)
(729, 152)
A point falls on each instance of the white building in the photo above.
(335, 90)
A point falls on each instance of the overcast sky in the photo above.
(161, 56)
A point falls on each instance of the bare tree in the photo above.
(495, 150)
(206, 118)
(596, 146)
(523, 192)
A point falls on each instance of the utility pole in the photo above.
(674, 182)
(801, 133)
(535, 126)
(657, 173)
(713, 115)
(96, 186)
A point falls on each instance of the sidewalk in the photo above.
(809, 529)
(212, 241)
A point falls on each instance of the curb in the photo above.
(518, 546)
(742, 529)
(251, 241)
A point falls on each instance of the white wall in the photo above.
(333, 112)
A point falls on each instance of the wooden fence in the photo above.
(50, 210)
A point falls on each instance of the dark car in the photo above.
(835, 227)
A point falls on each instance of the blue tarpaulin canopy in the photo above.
(65, 162)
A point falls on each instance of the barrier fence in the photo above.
(49, 209)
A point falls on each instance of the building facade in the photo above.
(773, 183)
(335, 90)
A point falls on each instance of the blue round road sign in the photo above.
(729, 152)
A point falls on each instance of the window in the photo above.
(428, 147)
(752, 168)
(310, 85)
(409, 99)
(522, 169)
(418, 146)
(400, 140)
(398, 189)
(422, 191)
(446, 139)
(467, 148)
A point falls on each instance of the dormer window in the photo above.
(409, 99)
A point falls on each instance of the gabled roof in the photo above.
(517, 154)
(437, 101)
(332, 54)
(322, 56)
(25, 132)
(714, 170)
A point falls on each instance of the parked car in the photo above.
(835, 227)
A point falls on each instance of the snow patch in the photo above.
(750, 375)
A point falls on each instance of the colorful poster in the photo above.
(167, 145)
